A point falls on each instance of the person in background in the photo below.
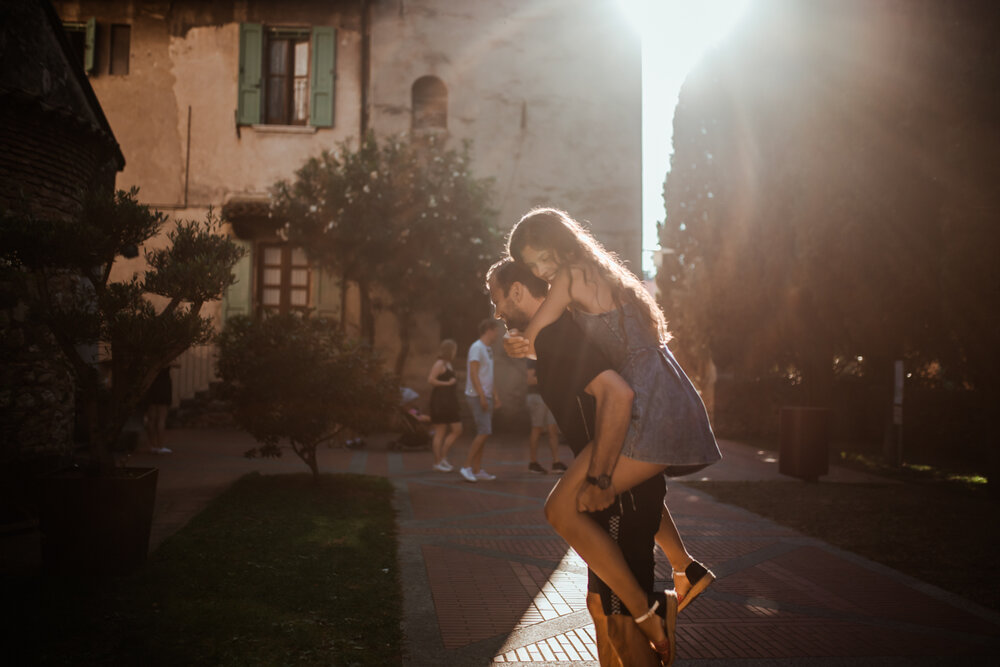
(444, 405)
(159, 397)
(541, 421)
(481, 397)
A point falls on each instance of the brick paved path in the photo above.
(503, 588)
(486, 581)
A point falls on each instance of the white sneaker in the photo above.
(467, 474)
(445, 466)
(440, 467)
(482, 474)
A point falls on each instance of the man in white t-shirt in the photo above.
(481, 396)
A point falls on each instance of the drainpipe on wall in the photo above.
(187, 174)
(187, 159)
(367, 316)
(366, 46)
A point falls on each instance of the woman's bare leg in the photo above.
(593, 544)
(673, 547)
(670, 541)
(436, 443)
(161, 424)
(156, 427)
(150, 424)
(454, 432)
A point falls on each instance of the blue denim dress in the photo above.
(669, 423)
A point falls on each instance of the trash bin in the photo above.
(805, 442)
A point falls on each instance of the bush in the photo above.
(301, 380)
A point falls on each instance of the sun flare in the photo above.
(675, 34)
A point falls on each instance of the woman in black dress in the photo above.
(444, 405)
(158, 399)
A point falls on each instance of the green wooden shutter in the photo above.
(322, 76)
(248, 105)
(327, 294)
(88, 52)
(238, 299)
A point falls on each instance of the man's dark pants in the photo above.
(632, 521)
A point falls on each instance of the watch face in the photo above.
(601, 482)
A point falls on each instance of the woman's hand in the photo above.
(592, 498)
(515, 345)
(451, 382)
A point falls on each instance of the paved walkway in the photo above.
(486, 581)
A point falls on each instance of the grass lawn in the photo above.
(276, 571)
(941, 533)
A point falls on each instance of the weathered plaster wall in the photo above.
(223, 162)
(548, 90)
(186, 54)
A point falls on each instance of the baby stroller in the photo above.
(414, 434)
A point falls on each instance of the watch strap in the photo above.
(601, 481)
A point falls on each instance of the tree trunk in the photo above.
(343, 301)
(310, 459)
(880, 370)
(367, 315)
(307, 452)
(815, 353)
(988, 398)
(102, 461)
(817, 376)
(405, 325)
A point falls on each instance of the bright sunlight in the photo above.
(675, 34)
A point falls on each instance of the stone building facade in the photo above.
(55, 144)
(215, 102)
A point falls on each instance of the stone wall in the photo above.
(55, 145)
(36, 389)
(46, 163)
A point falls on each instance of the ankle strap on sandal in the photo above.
(695, 571)
(649, 612)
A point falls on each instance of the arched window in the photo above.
(429, 103)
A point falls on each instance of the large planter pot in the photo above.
(805, 442)
(96, 525)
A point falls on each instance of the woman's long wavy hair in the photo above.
(555, 231)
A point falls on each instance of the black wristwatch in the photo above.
(601, 481)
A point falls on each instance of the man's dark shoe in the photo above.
(535, 467)
(558, 466)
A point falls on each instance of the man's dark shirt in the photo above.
(567, 363)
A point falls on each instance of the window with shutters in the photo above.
(286, 75)
(286, 83)
(282, 279)
(82, 37)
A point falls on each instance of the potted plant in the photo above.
(96, 516)
(301, 382)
